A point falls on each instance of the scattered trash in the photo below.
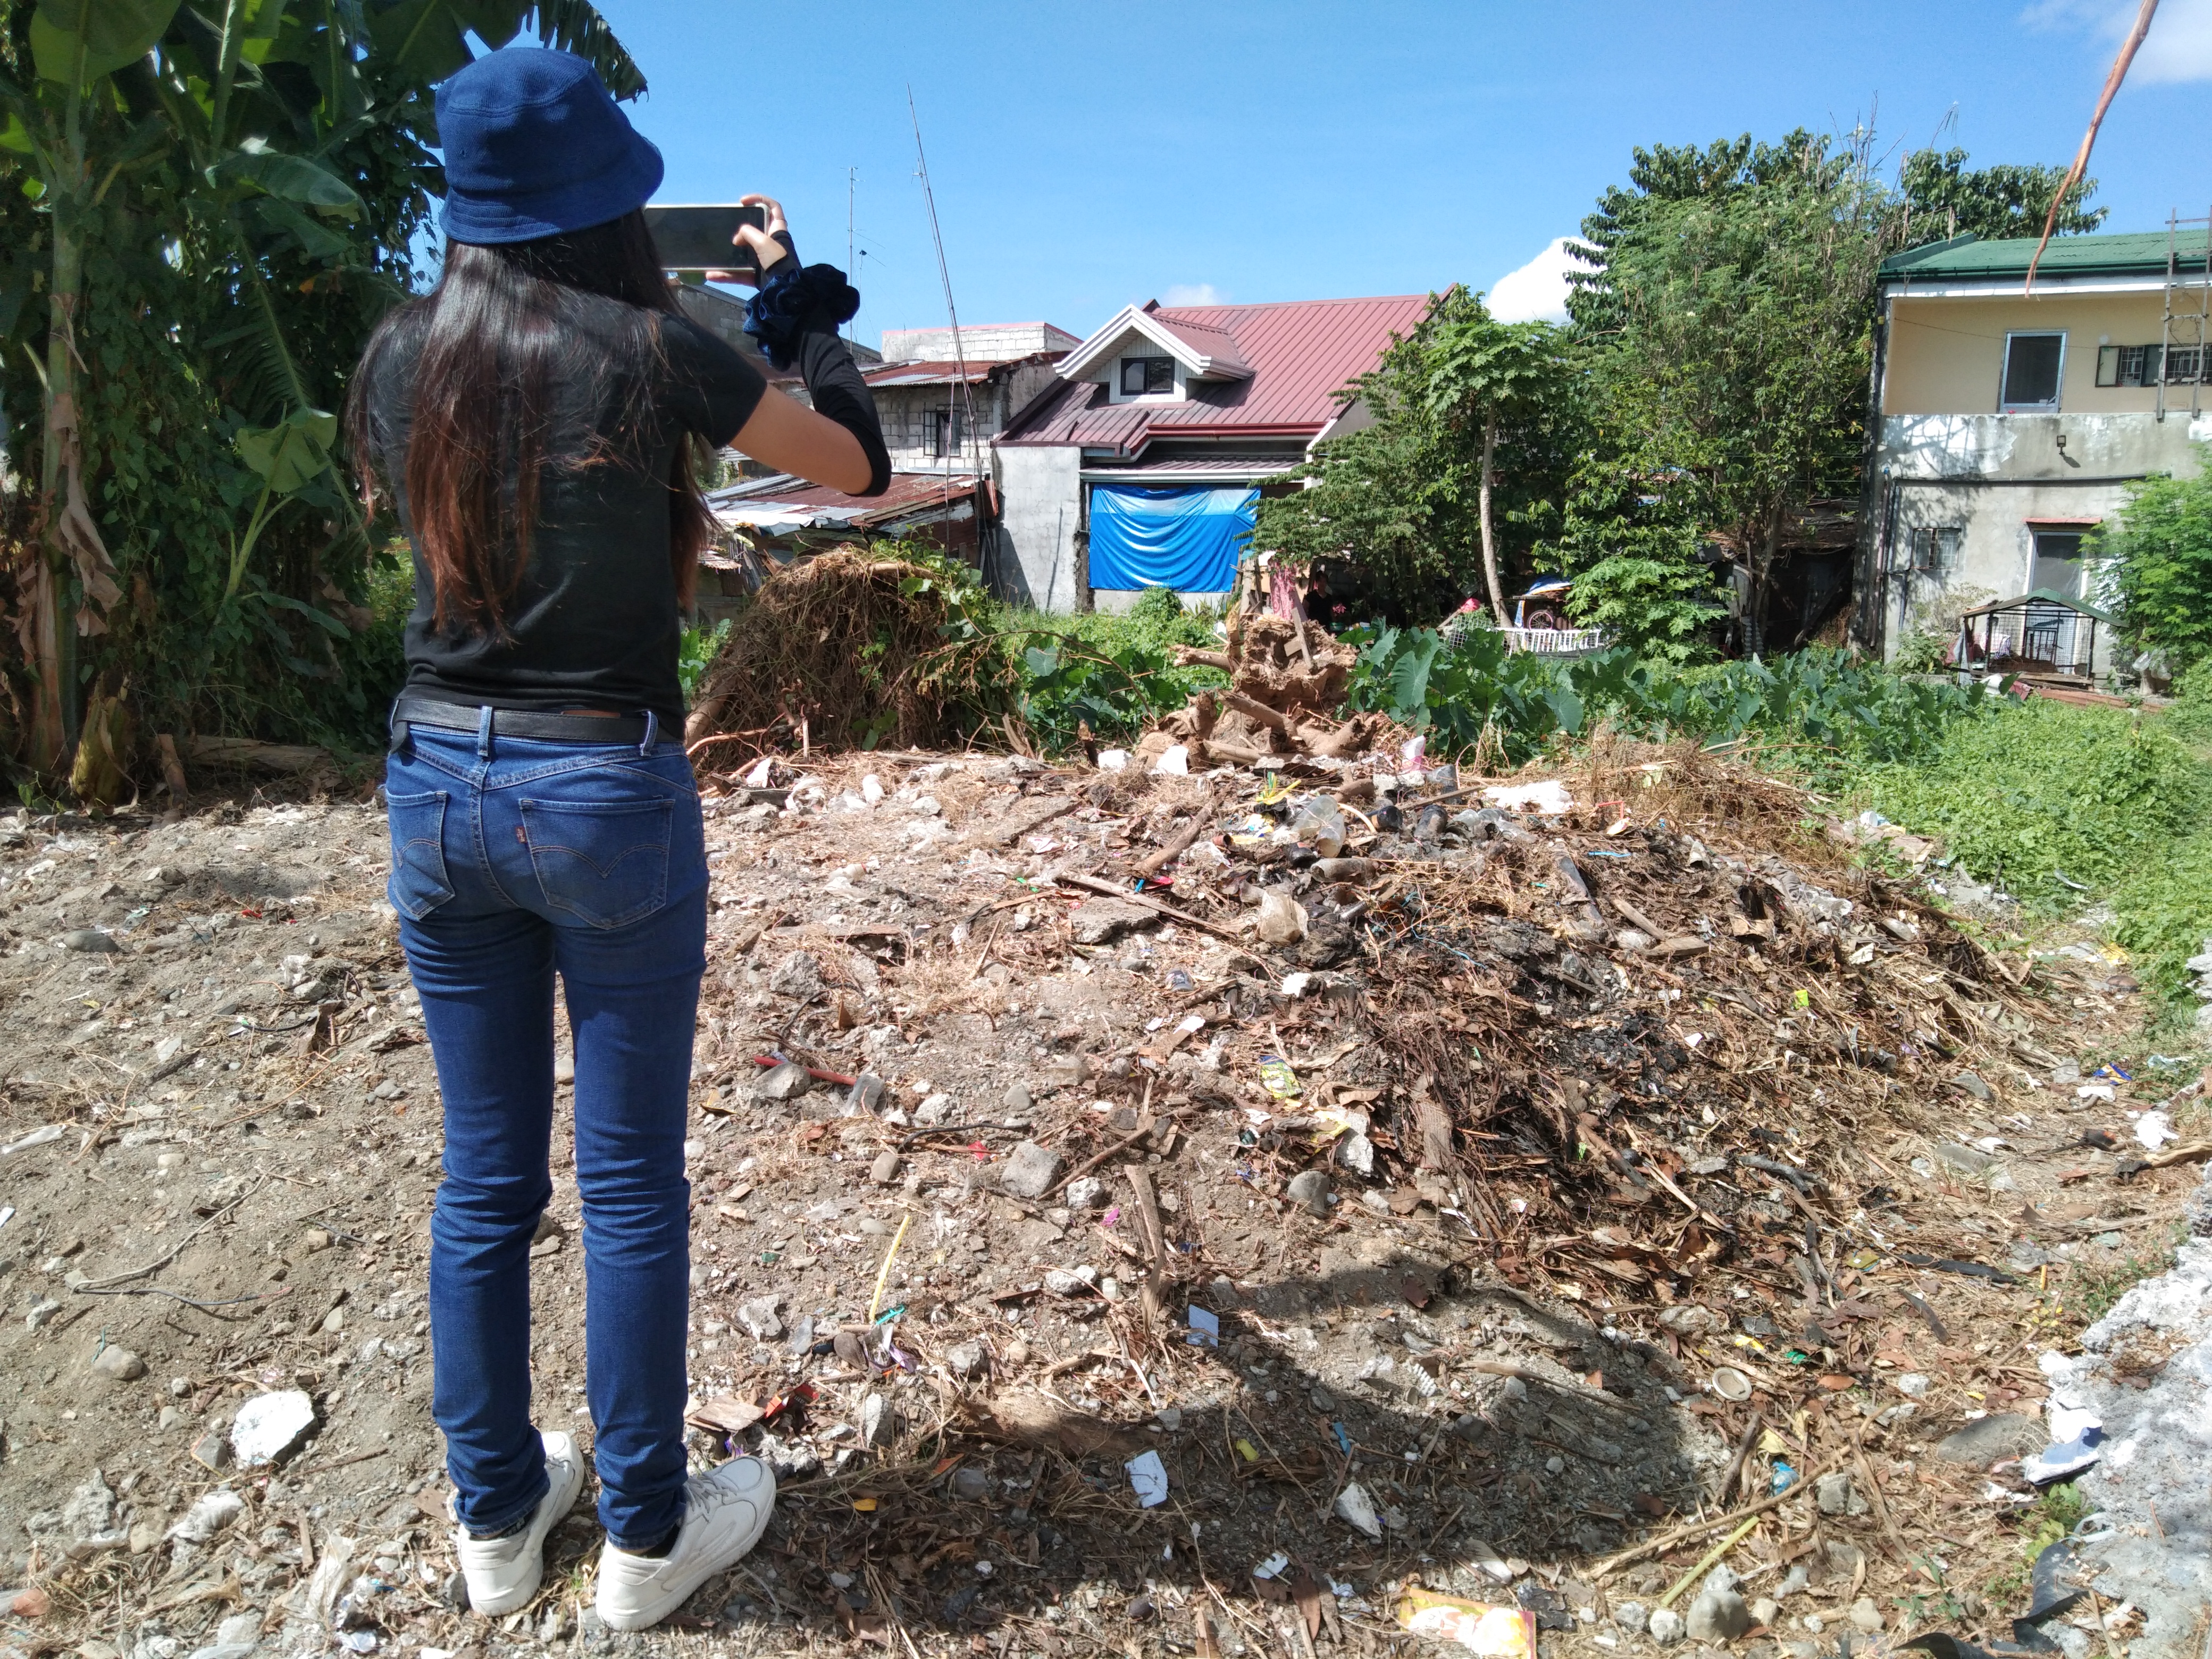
(1496, 1633)
(44, 1137)
(1729, 1384)
(209, 1516)
(1205, 1327)
(1357, 1510)
(270, 1427)
(1148, 1479)
(2154, 1130)
(1548, 797)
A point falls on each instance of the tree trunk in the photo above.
(54, 703)
(1489, 540)
(1762, 568)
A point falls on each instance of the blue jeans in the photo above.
(512, 859)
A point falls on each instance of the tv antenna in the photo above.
(945, 275)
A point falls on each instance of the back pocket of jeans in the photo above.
(605, 863)
(418, 884)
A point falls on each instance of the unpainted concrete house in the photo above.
(1141, 464)
(2010, 424)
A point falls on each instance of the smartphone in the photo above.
(698, 236)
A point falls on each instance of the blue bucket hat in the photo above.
(534, 147)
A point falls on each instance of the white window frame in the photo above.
(2004, 372)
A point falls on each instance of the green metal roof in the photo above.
(2040, 596)
(2140, 253)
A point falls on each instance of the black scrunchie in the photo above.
(791, 299)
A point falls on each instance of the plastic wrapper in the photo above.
(1507, 1632)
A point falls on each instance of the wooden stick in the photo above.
(1121, 1145)
(1152, 863)
(1682, 1535)
(1094, 885)
(1881, 1512)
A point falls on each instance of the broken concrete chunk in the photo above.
(1030, 1170)
(966, 1360)
(270, 1426)
(1085, 1192)
(1310, 1189)
(1665, 1625)
(878, 1421)
(1101, 921)
(209, 1516)
(799, 976)
(782, 1082)
(759, 1317)
(1966, 1160)
(1987, 1439)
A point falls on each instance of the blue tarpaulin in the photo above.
(1186, 538)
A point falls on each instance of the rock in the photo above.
(966, 1360)
(1987, 1439)
(145, 1534)
(234, 1638)
(1309, 1188)
(1101, 921)
(886, 1169)
(91, 939)
(1357, 1154)
(1630, 1617)
(1865, 1615)
(1766, 1611)
(878, 1421)
(40, 1313)
(970, 1483)
(1018, 1099)
(564, 1070)
(1168, 1418)
(1030, 1170)
(783, 1082)
(789, 1460)
(1071, 1281)
(1085, 1192)
(1282, 919)
(1718, 1616)
(759, 1317)
(934, 1109)
(1832, 1492)
(212, 1450)
(1357, 1510)
(170, 1417)
(1966, 1160)
(1795, 1582)
(1972, 1084)
(90, 1510)
(798, 975)
(314, 1239)
(1665, 1627)
(270, 1427)
(210, 1516)
(118, 1364)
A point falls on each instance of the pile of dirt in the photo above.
(1424, 1223)
(846, 649)
(1287, 680)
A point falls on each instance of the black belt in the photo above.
(628, 729)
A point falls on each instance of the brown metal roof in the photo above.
(1300, 354)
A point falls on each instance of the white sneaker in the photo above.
(503, 1573)
(725, 1513)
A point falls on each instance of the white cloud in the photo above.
(1192, 294)
(2178, 48)
(1538, 291)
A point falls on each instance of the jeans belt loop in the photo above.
(652, 731)
(484, 733)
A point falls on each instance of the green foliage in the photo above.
(2048, 791)
(1116, 674)
(1402, 497)
(695, 651)
(1665, 609)
(1827, 710)
(1945, 198)
(2160, 575)
(230, 192)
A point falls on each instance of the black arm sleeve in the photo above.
(833, 380)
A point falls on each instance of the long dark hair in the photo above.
(501, 352)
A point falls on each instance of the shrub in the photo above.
(2160, 577)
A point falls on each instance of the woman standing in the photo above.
(534, 419)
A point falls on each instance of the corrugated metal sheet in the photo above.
(1182, 467)
(930, 374)
(1300, 354)
(2128, 254)
(906, 492)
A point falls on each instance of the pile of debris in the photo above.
(1287, 680)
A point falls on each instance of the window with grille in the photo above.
(1928, 548)
(1143, 376)
(2141, 364)
(946, 429)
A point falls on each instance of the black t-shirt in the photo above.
(595, 622)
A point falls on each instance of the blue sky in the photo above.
(1088, 155)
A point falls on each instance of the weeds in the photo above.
(2050, 1518)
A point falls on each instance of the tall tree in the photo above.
(1730, 319)
(1943, 198)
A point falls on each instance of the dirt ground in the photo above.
(1813, 1177)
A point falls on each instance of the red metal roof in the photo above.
(928, 373)
(1300, 353)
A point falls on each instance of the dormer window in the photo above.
(1144, 376)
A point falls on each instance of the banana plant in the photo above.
(272, 120)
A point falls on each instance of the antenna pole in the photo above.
(959, 353)
(852, 177)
